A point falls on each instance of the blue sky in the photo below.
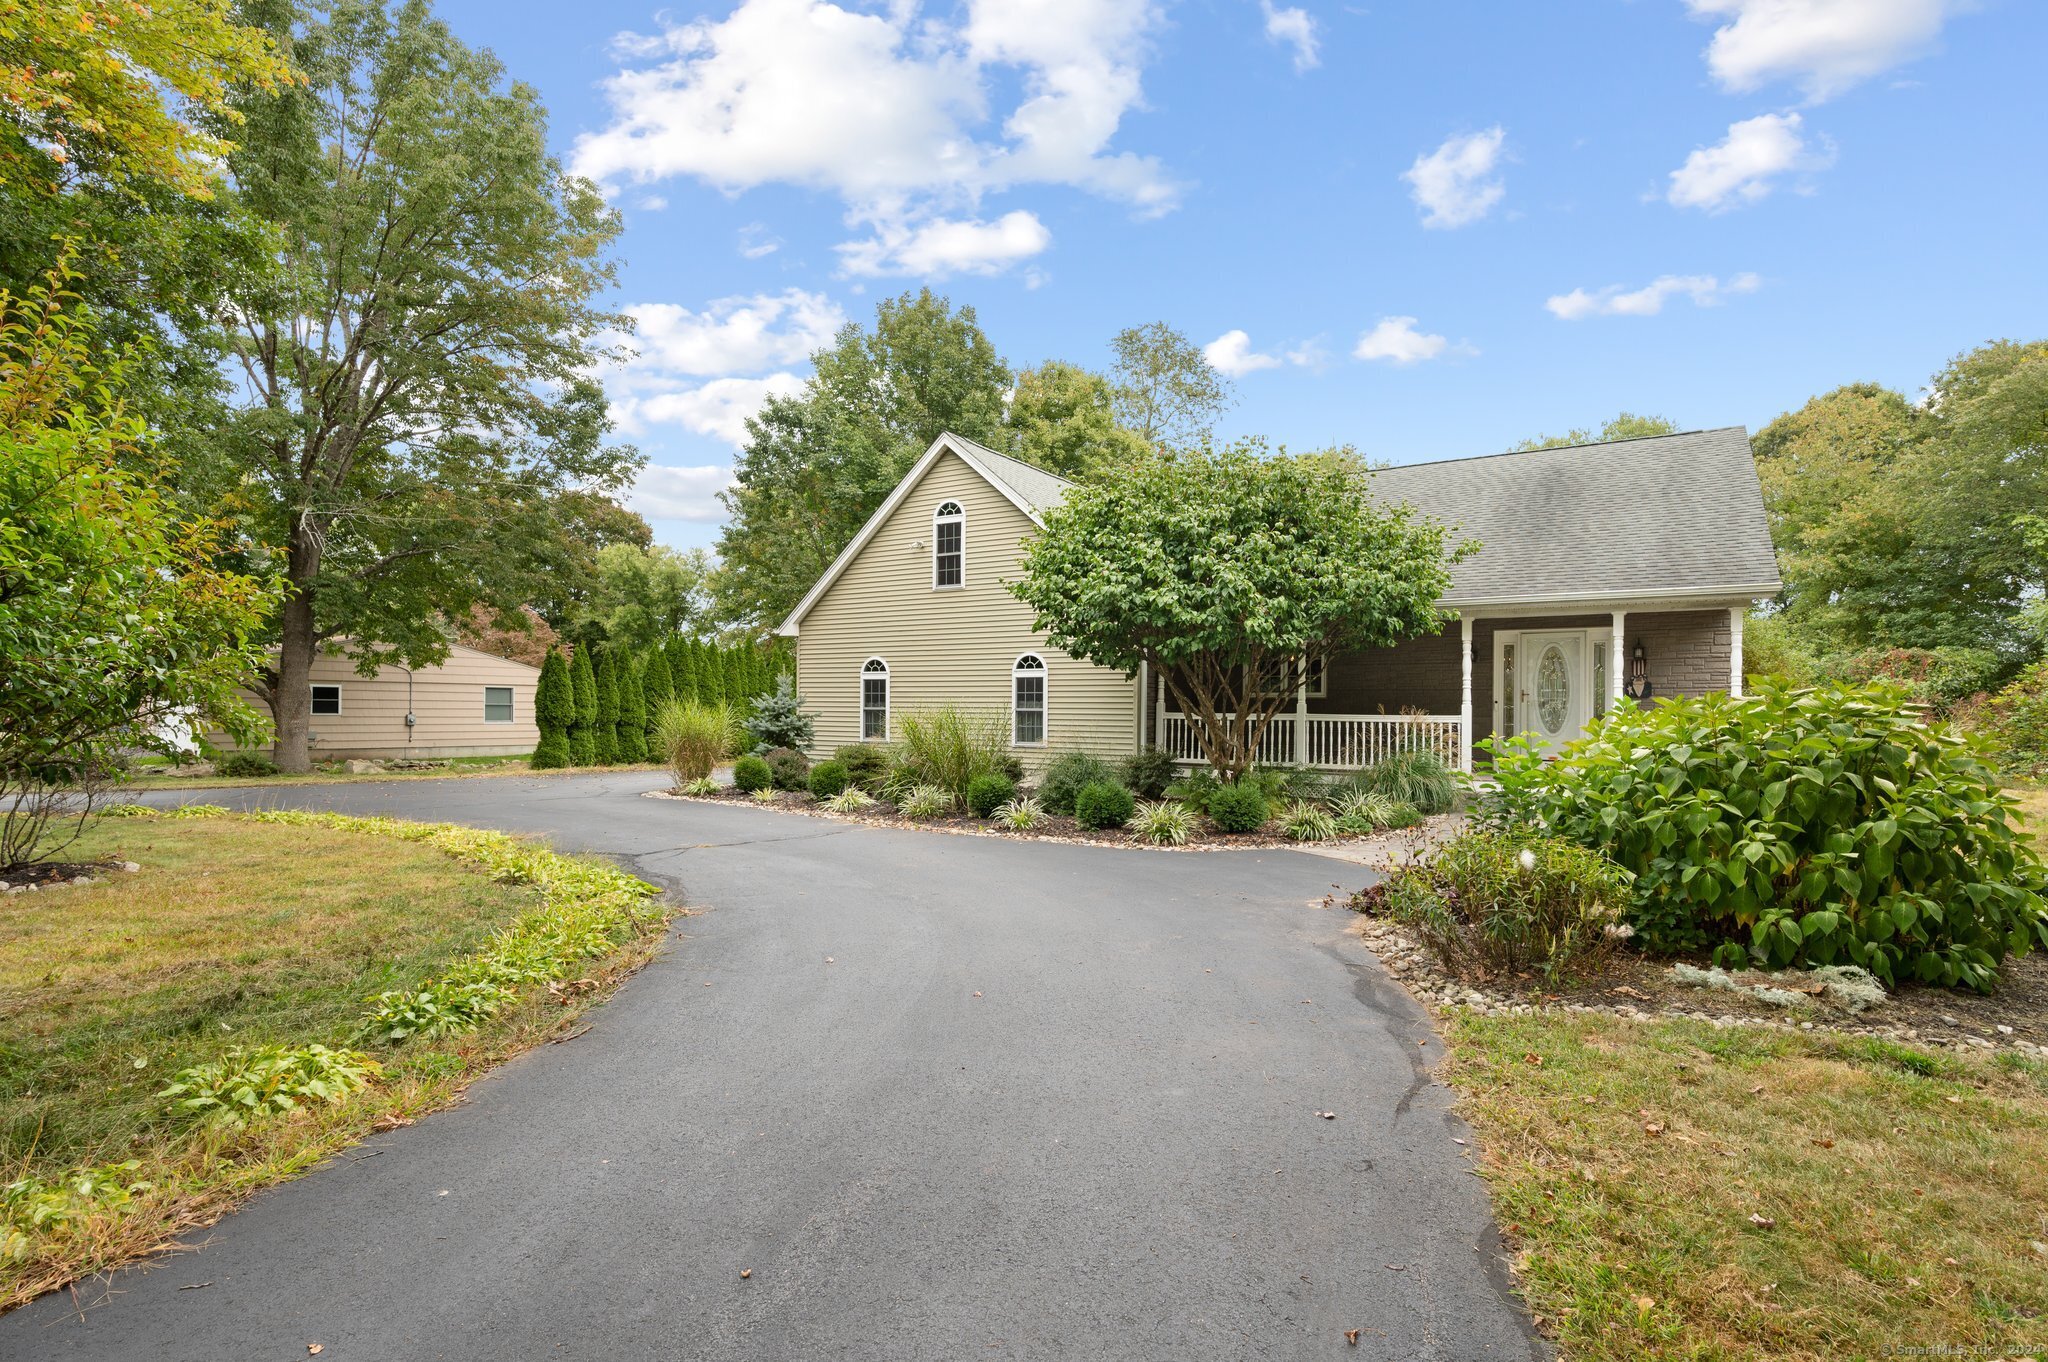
(1441, 227)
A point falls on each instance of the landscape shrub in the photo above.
(1937, 677)
(443, 1009)
(778, 720)
(1148, 771)
(1491, 902)
(852, 799)
(2014, 724)
(1306, 821)
(605, 731)
(1402, 816)
(1807, 826)
(1065, 775)
(1363, 811)
(692, 737)
(925, 801)
(1195, 788)
(244, 1084)
(1163, 822)
(583, 693)
(1237, 808)
(554, 710)
(1103, 804)
(1021, 815)
(986, 794)
(949, 746)
(867, 764)
(241, 764)
(828, 778)
(1418, 778)
(1288, 784)
(750, 775)
(788, 768)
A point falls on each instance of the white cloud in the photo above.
(1455, 184)
(1741, 168)
(1297, 29)
(1231, 354)
(910, 119)
(718, 408)
(1827, 46)
(665, 493)
(757, 241)
(942, 246)
(737, 335)
(1617, 301)
(1397, 341)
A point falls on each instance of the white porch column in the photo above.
(1144, 679)
(1301, 717)
(1617, 660)
(1159, 714)
(1736, 614)
(1465, 693)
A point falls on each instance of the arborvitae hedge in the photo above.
(605, 732)
(583, 732)
(657, 687)
(632, 712)
(554, 709)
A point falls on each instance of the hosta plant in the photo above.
(1163, 822)
(244, 1084)
(31, 1207)
(443, 1009)
(1807, 827)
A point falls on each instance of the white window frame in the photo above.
(956, 516)
(1044, 675)
(870, 669)
(313, 693)
(1318, 676)
(511, 705)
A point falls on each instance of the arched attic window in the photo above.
(1027, 701)
(949, 545)
(874, 700)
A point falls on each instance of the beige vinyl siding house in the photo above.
(473, 705)
(891, 600)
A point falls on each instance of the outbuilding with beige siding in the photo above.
(473, 705)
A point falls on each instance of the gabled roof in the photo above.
(1666, 515)
(1030, 490)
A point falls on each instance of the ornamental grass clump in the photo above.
(1492, 902)
(1796, 827)
(922, 802)
(949, 747)
(1021, 815)
(1417, 778)
(1306, 822)
(852, 799)
(1163, 822)
(691, 738)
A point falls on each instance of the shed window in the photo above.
(874, 700)
(1027, 701)
(949, 545)
(327, 699)
(497, 704)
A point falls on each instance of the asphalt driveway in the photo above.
(944, 1097)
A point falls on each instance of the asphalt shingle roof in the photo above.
(1668, 514)
(1664, 515)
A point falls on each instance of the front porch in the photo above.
(1511, 668)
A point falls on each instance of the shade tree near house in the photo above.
(1223, 569)
(412, 371)
(1163, 388)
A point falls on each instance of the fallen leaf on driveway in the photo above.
(1397, 1267)
(1351, 1337)
(312, 1348)
(745, 1273)
(977, 994)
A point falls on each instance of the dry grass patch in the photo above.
(235, 933)
(1678, 1191)
(2034, 811)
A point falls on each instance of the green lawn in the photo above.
(234, 933)
(1676, 1191)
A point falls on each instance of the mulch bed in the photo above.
(1051, 829)
(1632, 985)
(49, 874)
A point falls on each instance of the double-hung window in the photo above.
(1027, 701)
(874, 700)
(327, 699)
(949, 545)
(497, 704)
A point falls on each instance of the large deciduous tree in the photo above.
(1226, 569)
(1063, 419)
(1625, 426)
(641, 597)
(817, 463)
(413, 366)
(1165, 391)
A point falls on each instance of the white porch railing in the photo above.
(1332, 742)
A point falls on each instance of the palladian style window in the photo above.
(949, 545)
(874, 700)
(1027, 701)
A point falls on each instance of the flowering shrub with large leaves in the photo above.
(1796, 827)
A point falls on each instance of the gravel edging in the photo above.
(1414, 967)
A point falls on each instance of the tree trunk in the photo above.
(291, 701)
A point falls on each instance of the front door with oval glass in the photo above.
(1543, 685)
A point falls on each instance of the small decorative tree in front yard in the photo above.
(554, 710)
(1228, 571)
